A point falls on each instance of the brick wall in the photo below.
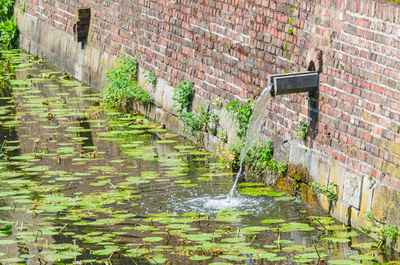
(229, 47)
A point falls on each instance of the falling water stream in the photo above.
(252, 132)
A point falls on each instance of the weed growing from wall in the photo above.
(223, 136)
(389, 234)
(8, 28)
(6, 9)
(330, 191)
(193, 123)
(183, 95)
(302, 130)
(258, 159)
(241, 112)
(122, 84)
(150, 77)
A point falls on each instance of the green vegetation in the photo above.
(151, 78)
(193, 123)
(8, 27)
(183, 96)
(122, 84)
(241, 112)
(389, 233)
(258, 159)
(204, 120)
(223, 136)
(6, 9)
(302, 130)
(330, 190)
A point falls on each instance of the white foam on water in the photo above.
(214, 204)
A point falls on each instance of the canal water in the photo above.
(83, 185)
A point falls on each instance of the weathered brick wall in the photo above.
(229, 47)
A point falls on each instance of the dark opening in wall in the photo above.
(82, 25)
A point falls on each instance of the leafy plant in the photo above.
(6, 9)
(203, 121)
(8, 27)
(122, 84)
(235, 149)
(330, 190)
(207, 120)
(241, 114)
(151, 78)
(9, 33)
(302, 130)
(217, 102)
(183, 95)
(282, 168)
(22, 7)
(190, 122)
(258, 158)
(390, 234)
(223, 136)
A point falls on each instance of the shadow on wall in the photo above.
(313, 99)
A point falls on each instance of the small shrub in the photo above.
(302, 130)
(390, 234)
(330, 191)
(183, 95)
(190, 122)
(241, 114)
(151, 78)
(8, 28)
(217, 102)
(203, 121)
(282, 168)
(236, 149)
(6, 9)
(122, 84)
(208, 121)
(223, 136)
(258, 158)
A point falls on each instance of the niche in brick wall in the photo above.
(82, 25)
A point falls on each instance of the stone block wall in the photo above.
(230, 47)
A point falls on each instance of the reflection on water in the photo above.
(83, 186)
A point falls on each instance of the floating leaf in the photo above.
(152, 239)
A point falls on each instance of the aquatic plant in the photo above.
(122, 84)
(241, 113)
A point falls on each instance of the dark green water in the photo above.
(81, 185)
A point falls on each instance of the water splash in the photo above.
(252, 131)
(213, 204)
